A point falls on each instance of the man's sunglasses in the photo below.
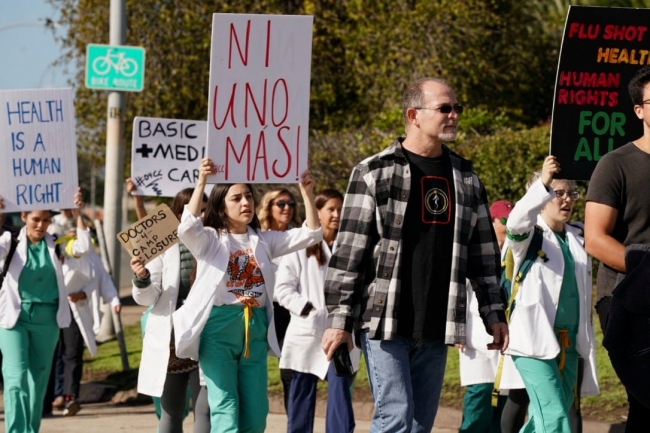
(281, 203)
(444, 109)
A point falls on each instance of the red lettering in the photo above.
(233, 36)
(261, 146)
(239, 158)
(249, 92)
(274, 104)
(563, 96)
(268, 43)
(285, 146)
(230, 109)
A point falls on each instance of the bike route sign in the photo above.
(115, 67)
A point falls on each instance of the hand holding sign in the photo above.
(549, 168)
(307, 191)
(137, 266)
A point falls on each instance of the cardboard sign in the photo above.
(152, 235)
(602, 48)
(38, 168)
(258, 111)
(165, 155)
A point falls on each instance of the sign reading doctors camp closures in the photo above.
(152, 235)
(38, 167)
(165, 155)
(258, 112)
(602, 48)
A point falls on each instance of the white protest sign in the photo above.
(165, 155)
(258, 111)
(38, 169)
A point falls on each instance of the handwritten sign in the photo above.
(258, 111)
(602, 48)
(165, 155)
(152, 235)
(38, 168)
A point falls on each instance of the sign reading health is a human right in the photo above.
(38, 168)
(258, 112)
(165, 155)
(593, 114)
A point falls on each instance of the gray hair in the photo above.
(413, 95)
(536, 175)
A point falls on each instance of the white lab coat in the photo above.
(300, 280)
(162, 293)
(10, 301)
(531, 322)
(212, 250)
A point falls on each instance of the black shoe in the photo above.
(71, 407)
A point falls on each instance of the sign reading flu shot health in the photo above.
(602, 48)
(152, 235)
(258, 111)
(166, 154)
(38, 168)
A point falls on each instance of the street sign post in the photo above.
(115, 67)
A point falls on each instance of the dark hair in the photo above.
(413, 95)
(320, 200)
(181, 199)
(215, 212)
(637, 85)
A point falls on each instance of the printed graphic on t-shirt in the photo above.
(436, 200)
(245, 275)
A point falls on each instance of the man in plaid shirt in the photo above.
(415, 225)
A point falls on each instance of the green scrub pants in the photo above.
(237, 385)
(550, 389)
(28, 350)
(478, 414)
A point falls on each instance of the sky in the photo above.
(28, 50)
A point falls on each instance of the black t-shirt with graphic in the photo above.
(427, 243)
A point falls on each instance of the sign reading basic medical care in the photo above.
(152, 235)
(165, 155)
(258, 112)
(593, 114)
(38, 168)
(115, 67)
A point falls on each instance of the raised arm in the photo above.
(140, 211)
(307, 191)
(206, 169)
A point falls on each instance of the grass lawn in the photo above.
(609, 406)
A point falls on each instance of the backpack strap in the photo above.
(512, 286)
(10, 255)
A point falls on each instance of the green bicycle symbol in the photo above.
(117, 61)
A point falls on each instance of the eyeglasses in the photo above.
(444, 109)
(562, 194)
(281, 203)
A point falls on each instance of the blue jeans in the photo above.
(405, 377)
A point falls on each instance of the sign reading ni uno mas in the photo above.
(115, 67)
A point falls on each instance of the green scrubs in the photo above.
(237, 385)
(28, 348)
(550, 382)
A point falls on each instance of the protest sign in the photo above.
(258, 110)
(39, 149)
(165, 155)
(152, 235)
(602, 48)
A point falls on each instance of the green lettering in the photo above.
(583, 150)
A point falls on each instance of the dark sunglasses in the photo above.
(444, 109)
(281, 203)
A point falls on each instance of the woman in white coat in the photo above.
(33, 306)
(300, 289)
(163, 285)
(550, 320)
(226, 322)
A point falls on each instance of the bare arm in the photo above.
(76, 212)
(205, 169)
(140, 211)
(307, 190)
(599, 242)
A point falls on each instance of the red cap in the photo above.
(501, 209)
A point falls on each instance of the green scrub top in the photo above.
(568, 308)
(37, 282)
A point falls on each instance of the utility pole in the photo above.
(115, 164)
